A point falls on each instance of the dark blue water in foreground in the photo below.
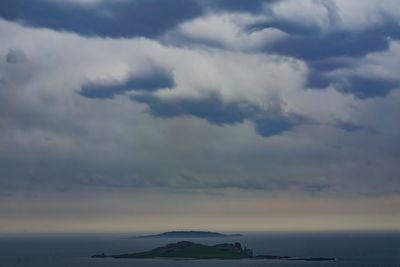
(350, 250)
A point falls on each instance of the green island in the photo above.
(189, 250)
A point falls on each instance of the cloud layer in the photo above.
(283, 98)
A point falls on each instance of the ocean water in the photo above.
(350, 250)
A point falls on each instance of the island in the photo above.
(191, 251)
(188, 234)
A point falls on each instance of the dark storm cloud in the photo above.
(316, 47)
(361, 87)
(324, 53)
(324, 50)
(210, 108)
(365, 87)
(254, 6)
(331, 64)
(108, 19)
(296, 28)
(319, 71)
(309, 41)
(115, 19)
(148, 18)
(275, 123)
(152, 81)
(215, 111)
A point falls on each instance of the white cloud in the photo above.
(309, 13)
(382, 64)
(360, 15)
(331, 15)
(229, 31)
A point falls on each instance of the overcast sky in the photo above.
(145, 115)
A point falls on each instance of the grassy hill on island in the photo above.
(186, 249)
(190, 250)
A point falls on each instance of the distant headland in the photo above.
(191, 251)
(188, 234)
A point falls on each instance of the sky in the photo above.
(229, 115)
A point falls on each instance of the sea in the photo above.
(351, 249)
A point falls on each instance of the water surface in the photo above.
(350, 250)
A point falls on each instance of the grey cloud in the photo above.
(339, 72)
(316, 188)
(352, 127)
(337, 47)
(365, 87)
(151, 81)
(254, 6)
(107, 18)
(316, 47)
(325, 48)
(213, 109)
(258, 184)
(116, 19)
(359, 86)
(276, 123)
(15, 56)
(57, 140)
